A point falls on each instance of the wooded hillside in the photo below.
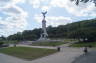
(85, 30)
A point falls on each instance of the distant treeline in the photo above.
(85, 30)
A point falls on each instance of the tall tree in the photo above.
(85, 1)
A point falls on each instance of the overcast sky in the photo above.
(19, 15)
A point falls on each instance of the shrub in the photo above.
(1, 43)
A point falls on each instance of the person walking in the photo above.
(85, 50)
(58, 48)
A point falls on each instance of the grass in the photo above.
(47, 43)
(9, 42)
(70, 40)
(27, 53)
(83, 44)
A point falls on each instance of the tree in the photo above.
(85, 1)
(85, 30)
(17, 36)
(31, 34)
(2, 38)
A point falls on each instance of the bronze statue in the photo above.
(44, 13)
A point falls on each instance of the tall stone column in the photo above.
(44, 34)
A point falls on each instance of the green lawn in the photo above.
(70, 40)
(47, 43)
(27, 53)
(9, 42)
(83, 44)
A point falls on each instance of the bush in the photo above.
(1, 43)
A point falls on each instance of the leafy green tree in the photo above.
(85, 30)
(31, 34)
(2, 38)
(85, 1)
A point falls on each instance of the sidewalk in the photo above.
(48, 47)
(90, 57)
(66, 55)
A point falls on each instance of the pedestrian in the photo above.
(58, 48)
(85, 50)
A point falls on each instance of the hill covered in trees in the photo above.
(85, 30)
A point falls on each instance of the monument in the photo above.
(44, 35)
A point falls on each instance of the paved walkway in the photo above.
(66, 55)
(9, 59)
(48, 47)
(90, 57)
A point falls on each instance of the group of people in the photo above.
(85, 50)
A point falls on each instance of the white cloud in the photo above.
(54, 20)
(41, 4)
(83, 9)
(58, 3)
(16, 16)
(58, 20)
(45, 8)
(35, 3)
(8, 3)
(15, 20)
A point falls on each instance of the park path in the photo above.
(48, 47)
(66, 55)
(90, 57)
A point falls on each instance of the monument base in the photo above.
(43, 40)
(47, 40)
